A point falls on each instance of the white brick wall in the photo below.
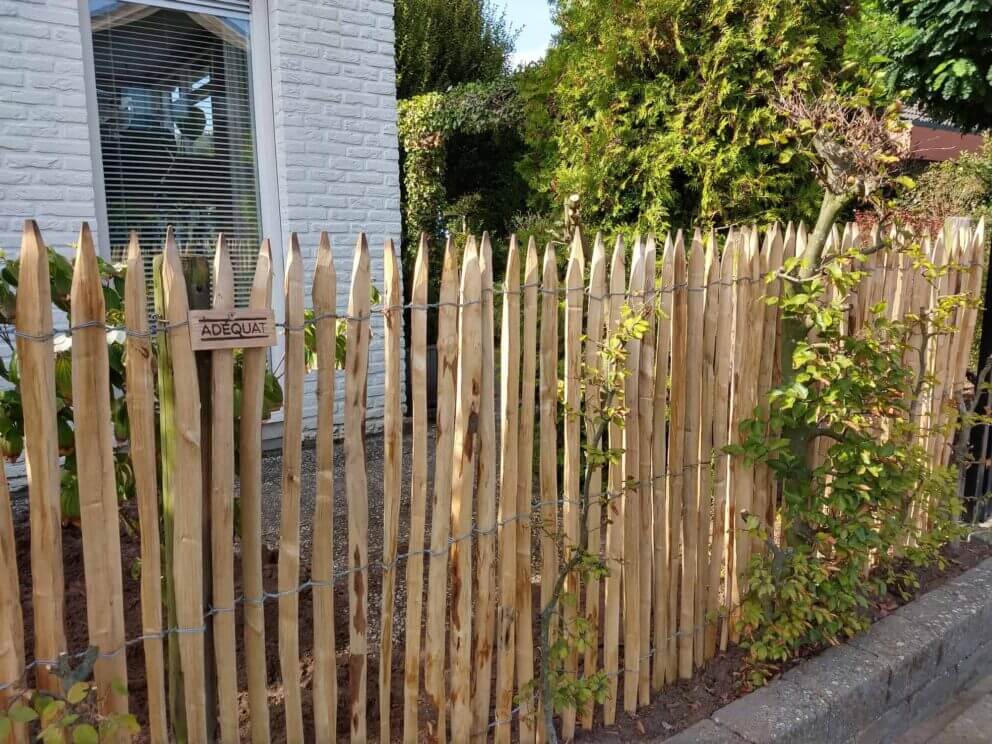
(45, 166)
(334, 86)
(334, 98)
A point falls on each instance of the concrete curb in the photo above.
(875, 687)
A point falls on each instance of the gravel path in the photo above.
(374, 461)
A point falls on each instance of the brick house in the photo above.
(255, 117)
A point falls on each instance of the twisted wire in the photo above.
(160, 325)
(339, 576)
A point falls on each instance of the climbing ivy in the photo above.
(425, 124)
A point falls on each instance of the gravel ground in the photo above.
(374, 464)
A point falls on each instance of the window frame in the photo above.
(266, 160)
(263, 119)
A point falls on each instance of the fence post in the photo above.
(222, 505)
(466, 451)
(571, 505)
(594, 537)
(711, 291)
(772, 262)
(485, 581)
(325, 678)
(141, 419)
(418, 494)
(289, 526)
(659, 453)
(690, 482)
(632, 494)
(356, 484)
(548, 461)
(36, 358)
(723, 358)
(447, 361)
(188, 495)
(166, 421)
(11, 617)
(392, 478)
(614, 510)
(509, 421)
(97, 482)
(250, 460)
(196, 275)
(676, 450)
(525, 494)
(645, 416)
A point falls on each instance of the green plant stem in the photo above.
(573, 562)
(544, 639)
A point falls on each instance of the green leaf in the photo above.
(84, 733)
(21, 713)
(77, 693)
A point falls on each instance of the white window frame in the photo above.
(266, 164)
(263, 119)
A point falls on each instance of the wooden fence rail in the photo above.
(487, 544)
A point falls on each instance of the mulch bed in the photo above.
(678, 707)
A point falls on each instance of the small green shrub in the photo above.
(848, 532)
(71, 716)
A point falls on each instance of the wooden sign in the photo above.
(231, 329)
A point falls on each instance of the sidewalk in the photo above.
(965, 719)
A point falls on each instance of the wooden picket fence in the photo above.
(670, 534)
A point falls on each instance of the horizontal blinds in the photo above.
(176, 130)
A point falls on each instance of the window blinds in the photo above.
(176, 129)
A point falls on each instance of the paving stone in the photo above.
(853, 682)
(910, 650)
(960, 613)
(979, 664)
(780, 712)
(946, 717)
(705, 732)
(886, 727)
(974, 726)
(932, 696)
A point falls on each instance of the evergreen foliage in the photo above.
(441, 43)
(459, 149)
(652, 110)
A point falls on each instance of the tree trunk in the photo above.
(794, 331)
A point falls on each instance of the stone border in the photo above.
(876, 686)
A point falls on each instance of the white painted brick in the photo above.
(333, 79)
(24, 62)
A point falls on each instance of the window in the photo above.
(176, 128)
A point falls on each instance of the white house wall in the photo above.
(333, 120)
(46, 168)
(334, 92)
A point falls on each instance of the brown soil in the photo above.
(76, 632)
(678, 707)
